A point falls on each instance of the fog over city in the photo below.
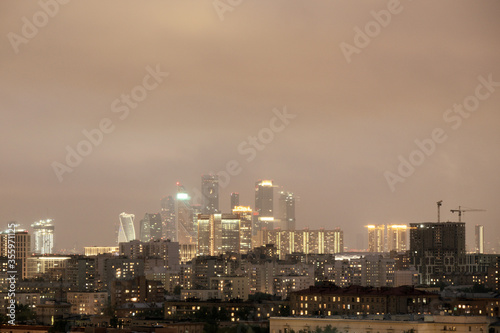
(369, 112)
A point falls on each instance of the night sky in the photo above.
(216, 89)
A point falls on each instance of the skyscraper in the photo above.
(167, 212)
(210, 194)
(126, 231)
(245, 215)
(235, 200)
(264, 206)
(22, 245)
(376, 238)
(397, 238)
(437, 250)
(184, 217)
(43, 234)
(479, 239)
(286, 210)
(218, 234)
(151, 227)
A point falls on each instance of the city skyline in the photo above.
(365, 129)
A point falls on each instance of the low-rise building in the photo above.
(356, 300)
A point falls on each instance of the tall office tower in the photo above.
(167, 213)
(245, 215)
(437, 250)
(235, 200)
(196, 212)
(210, 194)
(22, 245)
(184, 217)
(479, 239)
(286, 210)
(376, 238)
(126, 231)
(264, 194)
(218, 234)
(43, 234)
(397, 238)
(151, 227)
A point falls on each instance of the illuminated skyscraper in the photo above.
(22, 245)
(218, 234)
(245, 215)
(286, 210)
(397, 238)
(43, 234)
(168, 218)
(151, 227)
(126, 231)
(376, 238)
(210, 194)
(184, 217)
(479, 239)
(264, 206)
(235, 200)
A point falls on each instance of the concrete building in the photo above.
(356, 300)
(376, 238)
(87, 303)
(264, 206)
(479, 233)
(96, 250)
(210, 194)
(397, 238)
(304, 241)
(437, 250)
(43, 237)
(397, 324)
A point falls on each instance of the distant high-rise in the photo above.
(286, 210)
(184, 217)
(264, 206)
(22, 244)
(437, 250)
(376, 238)
(235, 200)
(397, 238)
(210, 194)
(168, 218)
(245, 215)
(126, 231)
(151, 227)
(43, 234)
(218, 234)
(479, 239)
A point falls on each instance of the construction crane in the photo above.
(460, 211)
(439, 203)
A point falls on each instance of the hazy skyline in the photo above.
(354, 116)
